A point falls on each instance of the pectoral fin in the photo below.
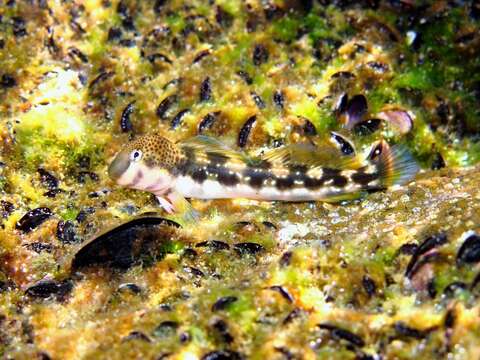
(182, 206)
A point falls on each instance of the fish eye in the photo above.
(136, 155)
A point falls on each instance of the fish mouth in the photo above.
(118, 166)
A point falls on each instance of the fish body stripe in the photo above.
(215, 169)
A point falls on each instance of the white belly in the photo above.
(210, 189)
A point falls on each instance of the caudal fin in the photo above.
(395, 164)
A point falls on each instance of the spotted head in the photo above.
(147, 163)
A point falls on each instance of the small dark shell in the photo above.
(7, 81)
(404, 330)
(174, 82)
(223, 355)
(344, 145)
(223, 18)
(408, 249)
(48, 180)
(292, 315)
(369, 285)
(308, 128)
(428, 244)
(282, 291)
(355, 110)
(260, 55)
(288, 355)
(286, 259)
(206, 90)
(214, 245)
(153, 58)
(378, 67)
(453, 287)
(130, 287)
(19, 26)
(83, 175)
(101, 77)
(83, 214)
(475, 281)
(164, 105)
(177, 119)
(66, 231)
(184, 337)
(33, 219)
(431, 256)
(344, 75)
(367, 127)
(137, 335)
(450, 318)
(249, 248)
(166, 329)
(245, 76)
(279, 99)
(74, 52)
(39, 247)
(189, 253)
(245, 131)
(114, 33)
(208, 121)
(269, 225)
(158, 5)
(438, 161)
(194, 271)
(258, 100)
(47, 288)
(200, 55)
(121, 246)
(469, 252)
(125, 122)
(53, 193)
(222, 328)
(6, 208)
(340, 105)
(344, 334)
(223, 303)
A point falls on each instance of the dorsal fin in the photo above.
(324, 155)
(208, 146)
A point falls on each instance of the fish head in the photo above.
(147, 163)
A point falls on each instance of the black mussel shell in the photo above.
(33, 218)
(49, 288)
(125, 244)
(355, 110)
(469, 252)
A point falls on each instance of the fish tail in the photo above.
(395, 164)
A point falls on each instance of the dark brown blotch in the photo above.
(227, 178)
(284, 183)
(334, 175)
(363, 178)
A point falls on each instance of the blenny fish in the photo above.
(205, 168)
